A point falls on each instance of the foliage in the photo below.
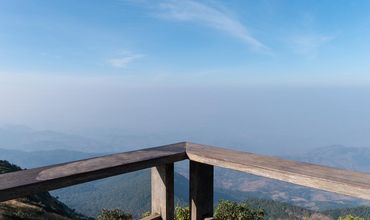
(350, 217)
(6, 167)
(114, 214)
(227, 210)
(361, 211)
(145, 214)
(182, 213)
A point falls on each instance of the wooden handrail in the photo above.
(346, 182)
(26, 182)
(202, 159)
(152, 217)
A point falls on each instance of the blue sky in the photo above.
(264, 74)
(189, 42)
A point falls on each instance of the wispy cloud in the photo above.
(309, 40)
(214, 17)
(124, 59)
(309, 45)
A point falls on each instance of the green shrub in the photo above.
(146, 214)
(115, 214)
(350, 217)
(182, 213)
(227, 210)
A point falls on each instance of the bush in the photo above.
(115, 214)
(146, 214)
(350, 217)
(182, 213)
(227, 210)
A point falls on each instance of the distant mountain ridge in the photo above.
(230, 184)
(14, 137)
(34, 159)
(27, 139)
(231, 180)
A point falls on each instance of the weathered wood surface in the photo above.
(153, 217)
(163, 194)
(356, 184)
(201, 190)
(26, 182)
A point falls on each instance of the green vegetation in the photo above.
(227, 210)
(115, 214)
(350, 217)
(145, 214)
(361, 211)
(6, 167)
(182, 213)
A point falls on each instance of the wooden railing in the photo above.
(202, 160)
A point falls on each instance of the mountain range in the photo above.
(131, 191)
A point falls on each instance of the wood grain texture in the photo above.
(163, 194)
(26, 182)
(356, 184)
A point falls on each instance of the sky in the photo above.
(186, 41)
(292, 72)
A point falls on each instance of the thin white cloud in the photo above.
(124, 59)
(214, 17)
(309, 45)
(308, 41)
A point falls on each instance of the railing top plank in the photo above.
(25, 182)
(356, 184)
(152, 217)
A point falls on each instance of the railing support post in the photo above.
(201, 191)
(163, 191)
